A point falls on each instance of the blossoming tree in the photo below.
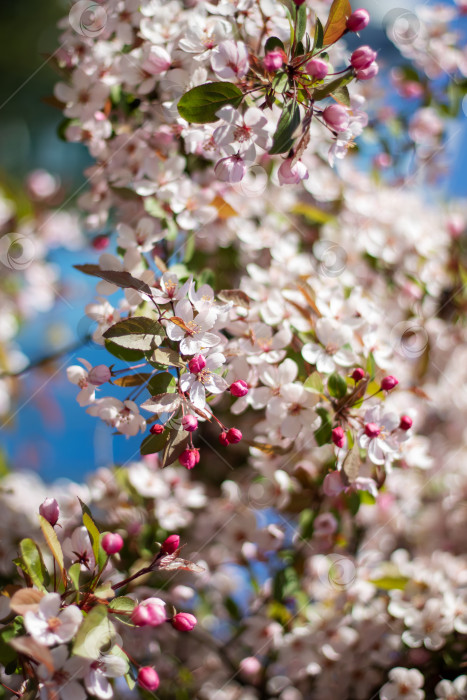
(284, 336)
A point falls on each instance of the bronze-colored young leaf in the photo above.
(337, 21)
(236, 296)
(26, 599)
(36, 651)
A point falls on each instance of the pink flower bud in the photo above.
(336, 117)
(197, 363)
(189, 458)
(141, 616)
(151, 612)
(406, 423)
(411, 89)
(372, 430)
(184, 622)
(239, 388)
(291, 173)
(157, 612)
(317, 68)
(148, 678)
(231, 169)
(382, 160)
(50, 511)
(100, 242)
(358, 20)
(99, 375)
(362, 57)
(112, 543)
(358, 374)
(223, 439)
(234, 435)
(156, 429)
(273, 60)
(338, 436)
(171, 544)
(368, 73)
(389, 383)
(456, 225)
(298, 2)
(250, 666)
(189, 423)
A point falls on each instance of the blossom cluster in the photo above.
(298, 350)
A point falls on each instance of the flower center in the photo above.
(242, 133)
(53, 623)
(193, 328)
(331, 349)
(204, 376)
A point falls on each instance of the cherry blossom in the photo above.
(230, 60)
(196, 384)
(404, 683)
(332, 351)
(51, 626)
(123, 415)
(196, 337)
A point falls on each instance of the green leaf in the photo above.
(176, 444)
(125, 606)
(154, 443)
(342, 95)
(74, 573)
(312, 214)
(280, 82)
(371, 366)
(314, 383)
(132, 379)
(323, 434)
(353, 502)
(35, 568)
(120, 279)
(367, 499)
(391, 583)
(307, 519)
(94, 534)
(273, 43)
(95, 633)
(334, 86)
(337, 21)
(53, 544)
(337, 386)
(167, 357)
(288, 123)
(162, 383)
(301, 22)
(233, 609)
(200, 104)
(123, 353)
(319, 35)
(7, 633)
(286, 583)
(154, 208)
(136, 333)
